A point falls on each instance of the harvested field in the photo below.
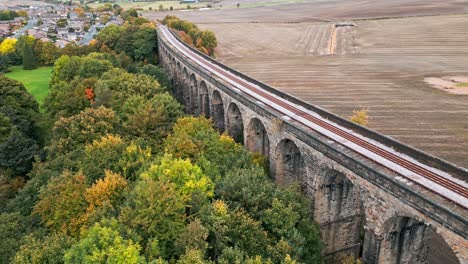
(380, 64)
(318, 10)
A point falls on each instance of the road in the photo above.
(89, 35)
(21, 31)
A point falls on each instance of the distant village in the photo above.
(60, 24)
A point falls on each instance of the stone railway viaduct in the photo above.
(362, 208)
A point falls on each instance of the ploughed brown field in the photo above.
(379, 64)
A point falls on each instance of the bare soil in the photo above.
(450, 84)
(379, 64)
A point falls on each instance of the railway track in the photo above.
(411, 171)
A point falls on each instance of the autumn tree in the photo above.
(113, 153)
(209, 40)
(104, 198)
(81, 129)
(360, 117)
(46, 52)
(43, 249)
(62, 201)
(8, 46)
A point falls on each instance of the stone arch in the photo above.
(289, 163)
(179, 72)
(179, 88)
(257, 140)
(408, 240)
(173, 68)
(235, 124)
(193, 95)
(185, 87)
(204, 100)
(338, 209)
(217, 111)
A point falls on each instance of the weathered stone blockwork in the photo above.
(360, 207)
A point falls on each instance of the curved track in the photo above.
(411, 170)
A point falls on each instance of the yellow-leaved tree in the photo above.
(8, 46)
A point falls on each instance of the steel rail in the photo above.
(299, 114)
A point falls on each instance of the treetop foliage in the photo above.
(205, 41)
(124, 176)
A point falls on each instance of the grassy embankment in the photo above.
(36, 81)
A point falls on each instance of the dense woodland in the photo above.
(112, 171)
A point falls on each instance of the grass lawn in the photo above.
(36, 81)
(462, 85)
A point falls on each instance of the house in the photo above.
(61, 43)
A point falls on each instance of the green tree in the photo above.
(78, 130)
(157, 72)
(46, 52)
(110, 35)
(29, 59)
(196, 139)
(62, 201)
(65, 69)
(66, 99)
(103, 154)
(192, 256)
(103, 244)
(117, 85)
(93, 67)
(151, 119)
(187, 178)
(28, 196)
(24, 42)
(145, 43)
(193, 237)
(155, 211)
(49, 249)
(12, 229)
(209, 40)
(20, 134)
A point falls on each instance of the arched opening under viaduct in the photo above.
(185, 86)
(235, 125)
(289, 164)
(257, 138)
(204, 100)
(193, 95)
(408, 240)
(338, 210)
(179, 89)
(217, 111)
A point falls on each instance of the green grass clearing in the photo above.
(36, 81)
(461, 85)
